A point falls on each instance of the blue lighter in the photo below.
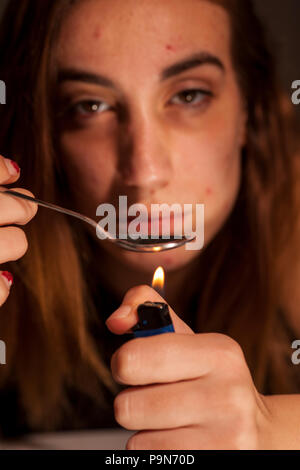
(154, 319)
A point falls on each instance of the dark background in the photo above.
(282, 18)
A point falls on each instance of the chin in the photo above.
(170, 260)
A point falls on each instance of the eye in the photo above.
(191, 97)
(89, 107)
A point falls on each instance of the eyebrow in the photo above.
(193, 61)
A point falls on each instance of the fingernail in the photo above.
(8, 277)
(12, 166)
(121, 312)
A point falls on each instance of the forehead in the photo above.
(131, 34)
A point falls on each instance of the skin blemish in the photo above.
(169, 47)
(168, 261)
(97, 33)
(208, 191)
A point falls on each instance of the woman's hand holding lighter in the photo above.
(187, 390)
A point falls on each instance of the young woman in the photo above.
(164, 102)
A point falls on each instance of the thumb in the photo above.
(126, 316)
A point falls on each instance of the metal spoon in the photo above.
(129, 244)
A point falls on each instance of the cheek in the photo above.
(210, 157)
(89, 165)
(210, 145)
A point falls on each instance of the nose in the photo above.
(145, 153)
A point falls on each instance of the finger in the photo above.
(13, 244)
(126, 316)
(9, 171)
(14, 210)
(188, 438)
(210, 402)
(167, 358)
(6, 281)
(164, 406)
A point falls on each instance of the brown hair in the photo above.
(250, 259)
(45, 320)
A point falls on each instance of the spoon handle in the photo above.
(54, 207)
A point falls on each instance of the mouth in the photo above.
(155, 226)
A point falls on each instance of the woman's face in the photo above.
(151, 111)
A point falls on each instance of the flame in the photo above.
(158, 278)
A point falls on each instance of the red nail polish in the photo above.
(8, 276)
(15, 165)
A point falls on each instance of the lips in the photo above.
(164, 220)
(157, 225)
